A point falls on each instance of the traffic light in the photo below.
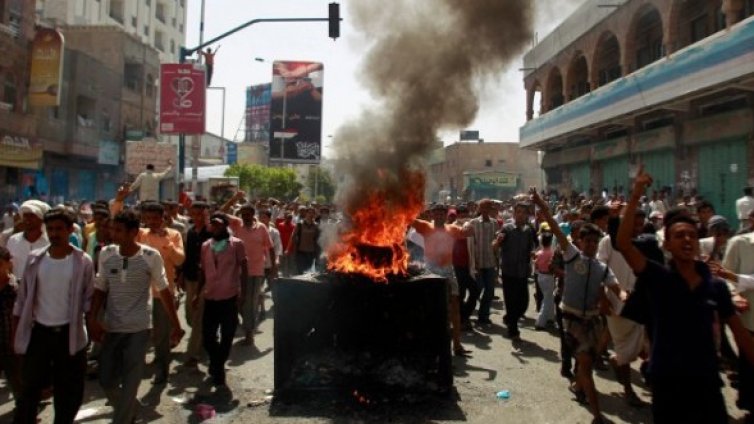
(334, 20)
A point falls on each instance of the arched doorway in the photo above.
(607, 59)
(647, 37)
(578, 78)
(554, 90)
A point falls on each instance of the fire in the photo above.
(378, 224)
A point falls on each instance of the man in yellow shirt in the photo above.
(169, 243)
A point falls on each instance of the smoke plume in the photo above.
(425, 59)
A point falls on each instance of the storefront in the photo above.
(20, 162)
(722, 145)
(612, 158)
(656, 151)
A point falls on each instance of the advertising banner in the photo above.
(258, 98)
(250, 154)
(296, 112)
(141, 153)
(182, 98)
(46, 68)
(109, 152)
(20, 152)
(490, 180)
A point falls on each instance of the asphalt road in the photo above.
(530, 371)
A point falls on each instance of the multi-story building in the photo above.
(20, 150)
(473, 170)
(108, 96)
(158, 23)
(665, 83)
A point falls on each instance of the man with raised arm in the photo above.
(686, 301)
(585, 277)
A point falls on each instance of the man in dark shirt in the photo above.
(197, 235)
(686, 303)
(517, 242)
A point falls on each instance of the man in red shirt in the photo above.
(286, 228)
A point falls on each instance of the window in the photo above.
(172, 46)
(150, 85)
(116, 10)
(488, 163)
(10, 92)
(749, 10)
(159, 12)
(106, 123)
(159, 43)
(132, 76)
(148, 2)
(146, 30)
(180, 28)
(53, 112)
(133, 21)
(173, 22)
(183, 3)
(85, 111)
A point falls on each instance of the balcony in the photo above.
(723, 58)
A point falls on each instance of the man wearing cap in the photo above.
(33, 237)
(713, 247)
(223, 270)
(744, 207)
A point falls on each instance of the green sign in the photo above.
(491, 181)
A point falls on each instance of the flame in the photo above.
(379, 219)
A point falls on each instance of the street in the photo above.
(537, 392)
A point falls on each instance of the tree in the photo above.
(261, 181)
(321, 184)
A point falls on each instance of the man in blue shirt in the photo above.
(685, 304)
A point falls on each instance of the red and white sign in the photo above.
(182, 98)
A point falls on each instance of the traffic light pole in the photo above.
(334, 20)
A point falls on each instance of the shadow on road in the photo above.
(346, 409)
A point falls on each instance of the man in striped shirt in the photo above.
(126, 274)
(482, 231)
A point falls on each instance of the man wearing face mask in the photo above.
(224, 270)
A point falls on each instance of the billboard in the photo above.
(296, 112)
(46, 68)
(258, 99)
(141, 153)
(490, 180)
(182, 98)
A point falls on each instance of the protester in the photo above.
(224, 271)
(148, 183)
(53, 298)
(129, 273)
(33, 236)
(9, 361)
(546, 281)
(686, 384)
(516, 242)
(585, 277)
(482, 231)
(197, 235)
(304, 243)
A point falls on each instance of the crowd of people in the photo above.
(619, 280)
(91, 288)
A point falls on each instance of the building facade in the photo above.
(664, 83)
(108, 96)
(474, 170)
(158, 23)
(20, 150)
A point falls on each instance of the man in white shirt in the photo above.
(148, 183)
(744, 206)
(738, 254)
(628, 336)
(33, 237)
